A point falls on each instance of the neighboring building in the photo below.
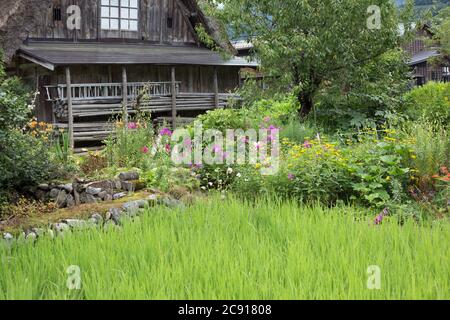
(88, 58)
(423, 59)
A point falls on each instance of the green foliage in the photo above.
(223, 119)
(62, 148)
(14, 110)
(25, 161)
(430, 102)
(381, 168)
(370, 97)
(431, 146)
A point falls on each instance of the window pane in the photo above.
(133, 25)
(114, 24)
(133, 14)
(124, 13)
(105, 2)
(124, 24)
(105, 24)
(105, 11)
(124, 3)
(133, 3)
(114, 12)
(115, 3)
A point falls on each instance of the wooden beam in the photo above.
(125, 95)
(69, 107)
(216, 88)
(174, 98)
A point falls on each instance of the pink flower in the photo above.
(187, 142)
(168, 148)
(132, 125)
(145, 150)
(216, 149)
(267, 119)
(307, 145)
(291, 177)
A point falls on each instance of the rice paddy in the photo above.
(233, 250)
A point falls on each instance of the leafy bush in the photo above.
(380, 167)
(430, 102)
(25, 160)
(14, 109)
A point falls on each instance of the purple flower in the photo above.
(307, 144)
(216, 148)
(166, 132)
(379, 218)
(291, 177)
(267, 119)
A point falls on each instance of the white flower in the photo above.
(239, 175)
(210, 184)
(229, 171)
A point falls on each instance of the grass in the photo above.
(233, 250)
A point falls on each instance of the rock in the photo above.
(96, 218)
(118, 196)
(106, 185)
(108, 197)
(132, 186)
(60, 228)
(88, 198)
(102, 195)
(61, 200)
(38, 231)
(76, 224)
(115, 214)
(129, 176)
(134, 205)
(54, 193)
(68, 187)
(31, 237)
(44, 187)
(117, 185)
(8, 236)
(172, 203)
(70, 201)
(93, 191)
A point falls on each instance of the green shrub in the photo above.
(25, 160)
(380, 167)
(430, 102)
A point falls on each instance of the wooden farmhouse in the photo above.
(91, 59)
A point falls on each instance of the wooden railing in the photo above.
(108, 91)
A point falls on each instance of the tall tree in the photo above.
(304, 44)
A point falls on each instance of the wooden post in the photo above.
(125, 96)
(216, 89)
(174, 98)
(69, 108)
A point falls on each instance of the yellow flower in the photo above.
(258, 166)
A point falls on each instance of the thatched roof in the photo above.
(17, 19)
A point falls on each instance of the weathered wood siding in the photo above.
(152, 24)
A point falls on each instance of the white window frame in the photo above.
(119, 15)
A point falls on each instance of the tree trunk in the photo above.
(306, 103)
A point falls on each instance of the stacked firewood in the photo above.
(60, 109)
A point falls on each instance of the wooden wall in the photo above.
(153, 26)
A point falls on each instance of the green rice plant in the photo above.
(229, 249)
